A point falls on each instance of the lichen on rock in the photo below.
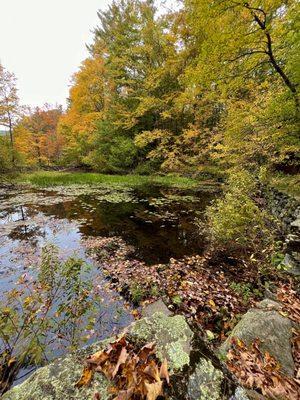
(273, 330)
(205, 382)
(172, 336)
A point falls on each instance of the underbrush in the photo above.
(241, 227)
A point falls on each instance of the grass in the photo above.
(289, 184)
(46, 179)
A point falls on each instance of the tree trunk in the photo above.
(11, 139)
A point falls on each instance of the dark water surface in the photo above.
(159, 222)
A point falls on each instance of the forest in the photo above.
(206, 88)
(174, 171)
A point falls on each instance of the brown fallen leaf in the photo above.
(164, 371)
(98, 358)
(146, 351)
(153, 390)
(85, 378)
(122, 359)
(124, 394)
(152, 371)
(135, 373)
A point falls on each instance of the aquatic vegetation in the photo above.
(44, 179)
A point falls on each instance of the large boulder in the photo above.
(57, 380)
(272, 328)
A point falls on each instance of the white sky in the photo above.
(43, 43)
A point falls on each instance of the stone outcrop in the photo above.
(273, 329)
(173, 338)
(57, 380)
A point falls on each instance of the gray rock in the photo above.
(56, 381)
(296, 223)
(291, 265)
(273, 330)
(205, 382)
(246, 394)
(240, 394)
(157, 306)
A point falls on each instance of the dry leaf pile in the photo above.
(134, 373)
(291, 308)
(197, 289)
(260, 371)
(204, 293)
(290, 300)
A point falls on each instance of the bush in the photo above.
(56, 309)
(235, 219)
(147, 168)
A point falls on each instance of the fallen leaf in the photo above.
(86, 377)
(164, 371)
(122, 358)
(153, 390)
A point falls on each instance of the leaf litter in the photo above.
(135, 372)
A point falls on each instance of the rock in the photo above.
(291, 265)
(56, 381)
(157, 306)
(172, 335)
(296, 223)
(270, 294)
(253, 395)
(269, 304)
(273, 330)
(205, 382)
(240, 394)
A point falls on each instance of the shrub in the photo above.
(235, 219)
(56, 308)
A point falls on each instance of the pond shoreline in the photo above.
(209, 287)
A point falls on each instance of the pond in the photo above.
(159, 222)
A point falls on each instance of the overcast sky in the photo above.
(43, 43)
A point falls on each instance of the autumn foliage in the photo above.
(135, 373)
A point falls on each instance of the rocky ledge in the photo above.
(193, 375)
(194, 380)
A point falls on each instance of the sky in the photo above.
(43, 43)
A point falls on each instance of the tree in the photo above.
(9, 104)
(36, 136)
(247, 56)
(87, 103)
